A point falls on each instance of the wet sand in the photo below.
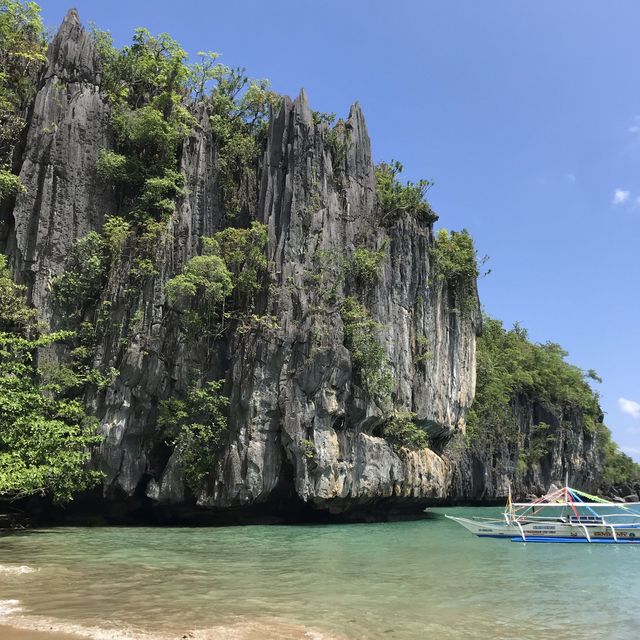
(11, 633)
(266, 629)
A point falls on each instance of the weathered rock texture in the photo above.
(532, 459)
(63, 198)
(287, 385)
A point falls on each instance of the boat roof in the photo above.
(573, 498)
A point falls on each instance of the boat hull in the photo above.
(551, 531)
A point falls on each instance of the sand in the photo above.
(10, 633)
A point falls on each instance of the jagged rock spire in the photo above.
(72, 54)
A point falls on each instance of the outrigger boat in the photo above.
(563, 515)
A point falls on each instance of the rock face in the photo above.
(63, 199)
(302, 430)
(534, 460)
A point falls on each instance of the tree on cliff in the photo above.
(21, 57)
(45, 436)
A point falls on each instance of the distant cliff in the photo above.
(358, 338)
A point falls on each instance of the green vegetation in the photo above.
(510, 366)
(368, 356)
(21, 58)
(243, 252)
(149, 83)
(402, 432)
(338, 139)
(455, 262)
(398, 200)
(308, 448)
(619, 468)
(146, 83)
(233, 262)
(365, 264)
(205, 278)
(423, 353)
(240, 108)
(45, 436)
(197, 427)
(327, 118)
(80, 285)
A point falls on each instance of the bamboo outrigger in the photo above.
(563, 515)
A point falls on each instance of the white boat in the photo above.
(563, 515)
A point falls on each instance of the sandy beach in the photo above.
(11, 633)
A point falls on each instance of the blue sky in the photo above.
(525, 114)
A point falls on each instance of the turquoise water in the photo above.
(394, 581)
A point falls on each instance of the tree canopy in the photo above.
(45, 435)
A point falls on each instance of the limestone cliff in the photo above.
(533, 459)
(302, 429)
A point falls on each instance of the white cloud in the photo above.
(634, 130)
(629, 406)
(571, 177)
(620, 196)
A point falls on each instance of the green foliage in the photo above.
(327, 118)
(205, 277)
(398, 200)
(455, 262)
(112, 167)
(365, 264)
(146, 83)
(197, 426)
(22, 48)
(158, 195)
(80, 285)
(367, 354)
(423, 353)
(243, 252)
(44, 436)
(240, 107)
(10, 185)
(149, 84)
(339, 141)
(115, 232)
(308, 448)
(204, 73)
(15, 315)
(509, 366)
(233, 262)
(403, 433)
(619, 468)
(151, 68)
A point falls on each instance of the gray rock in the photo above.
(290, 384)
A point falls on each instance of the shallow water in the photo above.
(399, 580)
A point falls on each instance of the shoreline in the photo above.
(255, 629)
(8, 632)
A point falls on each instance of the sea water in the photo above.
(425, 579)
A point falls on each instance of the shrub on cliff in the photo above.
(396, 199)
(367, 354)
(510, 366)
(366, 263)
(197, 426)
(455, 262)
(619, 468)
(403, 433)
(22, 51)
(45, 435)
